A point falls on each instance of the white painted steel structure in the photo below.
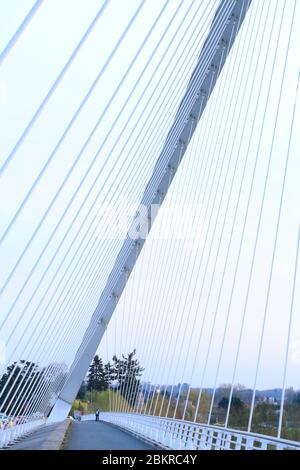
(227, 21)
(184, 435)
(54, 394)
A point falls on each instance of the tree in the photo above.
(240, 387)
(236, 403)
(96, 376)
(82, 391)
(296, 400)
(127, 371)
(19, 384)
(202, 407)
(223, 403)
(108, 374)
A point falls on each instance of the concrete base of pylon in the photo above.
(59, 412)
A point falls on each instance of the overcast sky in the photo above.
(171, 301)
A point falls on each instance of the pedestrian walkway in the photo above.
(92, 435)
(45, 438)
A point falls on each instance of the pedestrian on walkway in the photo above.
(97, 415)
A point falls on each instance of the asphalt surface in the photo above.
(92, 435)
(35, 440)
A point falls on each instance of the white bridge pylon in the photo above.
(222, 34)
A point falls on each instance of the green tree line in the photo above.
(121, 375)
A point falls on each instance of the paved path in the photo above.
(92, 435)
(45, 438)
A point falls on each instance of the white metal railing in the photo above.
(11, 434)
(177, 434)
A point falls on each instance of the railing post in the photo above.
(227, 441)
(249, 443)
(203, 438)
(209, 440)
(218, 444)
(238, 443)
(175, 434)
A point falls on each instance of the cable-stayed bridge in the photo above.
(149, 179)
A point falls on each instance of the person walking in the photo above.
(97, 415)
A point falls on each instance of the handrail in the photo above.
(180, 434)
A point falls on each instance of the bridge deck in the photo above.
(42, 439)
(92, 435)
(85, 435)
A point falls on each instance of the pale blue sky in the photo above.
(157, 293)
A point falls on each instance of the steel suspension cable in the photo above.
(205, 270)
(252, 263)
(53, 87)
(246, 54)
(20, 30)
(279, 210)
(236, 209)
(291, 314)
(63, 136)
